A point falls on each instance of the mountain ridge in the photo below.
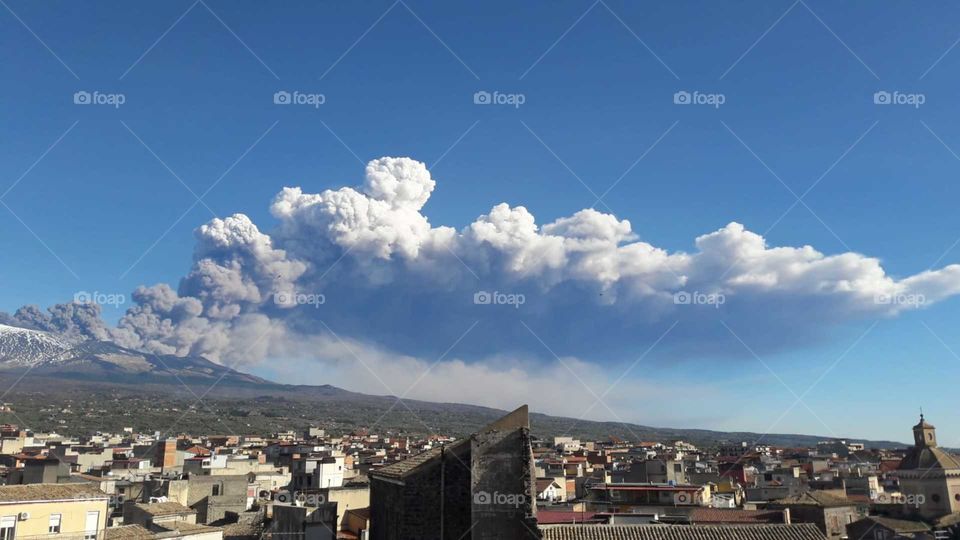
(47, 353)
(101, 365)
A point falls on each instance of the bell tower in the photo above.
(924, 434)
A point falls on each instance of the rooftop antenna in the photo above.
(921, 412)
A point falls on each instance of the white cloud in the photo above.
(568, 387)
(594, 289)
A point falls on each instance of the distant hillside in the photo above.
(106, 387)
(257, 408)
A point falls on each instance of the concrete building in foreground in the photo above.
(304, 521)
(65, 511)
(482, 486)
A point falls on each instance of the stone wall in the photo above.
(431, 503)
(504, 492)
(483, 487)
(232, 497)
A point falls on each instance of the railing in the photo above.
(100, 535)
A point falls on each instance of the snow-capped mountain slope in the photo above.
(51, 354)
(26, 347)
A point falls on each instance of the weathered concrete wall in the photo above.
(232, 497)
(348, 499)
(307, 523)
(503, 485)
(432, 503)
(481, 488)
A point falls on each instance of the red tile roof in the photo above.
(889, 465)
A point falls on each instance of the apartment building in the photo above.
(69, 511)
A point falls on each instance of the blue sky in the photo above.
(598, 80)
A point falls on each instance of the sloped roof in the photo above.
(800, 531)
(169, 508)
(183, 528)
(403, 468)
(544, 483)
(362, 513)
(127, 532)
(899, 525)
(50, 492)
(815, 498)
(519, 418)
(947, 520)
(734, 515)
(241, 530)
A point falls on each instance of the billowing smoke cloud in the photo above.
(72, 320)
(367, 264)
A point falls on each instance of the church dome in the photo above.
(928, 457)
(925, 454)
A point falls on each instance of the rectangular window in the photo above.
(8, 527)
(92, 526)
(54, 524)
(216, 490)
